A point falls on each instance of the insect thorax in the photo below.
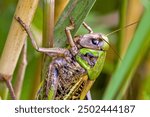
(92, 61)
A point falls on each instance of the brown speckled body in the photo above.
(68, 72)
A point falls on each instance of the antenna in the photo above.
(113, 49)
(115, 32)
(121, 28)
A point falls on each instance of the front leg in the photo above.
(49, 51)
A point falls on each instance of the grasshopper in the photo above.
(72, 71)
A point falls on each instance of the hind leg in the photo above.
(48, 87)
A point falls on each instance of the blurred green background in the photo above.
(105, 17)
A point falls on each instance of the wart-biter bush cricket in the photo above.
(60, 42)
(72, 71)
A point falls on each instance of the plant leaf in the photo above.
(133, 56)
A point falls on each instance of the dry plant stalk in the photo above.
(59, 7)
(134, 12)
(21, 72)
(16, 38)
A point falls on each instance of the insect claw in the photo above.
(72, 21)
(21, 22)
(18, 19)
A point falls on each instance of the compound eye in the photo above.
(95, 41)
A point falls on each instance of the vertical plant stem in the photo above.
(123, 13)
(132, 15)
(59, 7)
(16, 37)
(48, 23)
(21, 72)
(131, 12)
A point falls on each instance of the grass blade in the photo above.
(134, 55)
